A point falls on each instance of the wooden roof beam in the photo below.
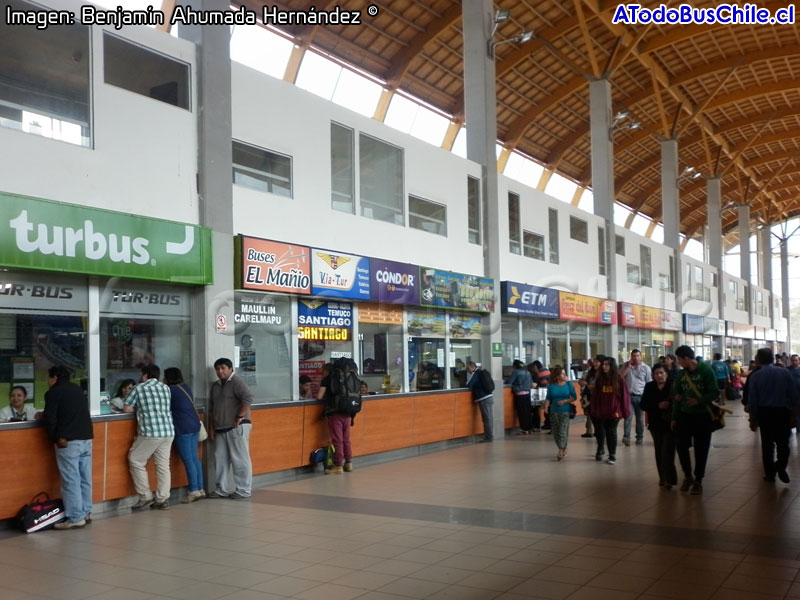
(587, 39)
(167, 7)
(699, 110)
(725, 63)
(402, 60)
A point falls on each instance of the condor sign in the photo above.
(51, 236)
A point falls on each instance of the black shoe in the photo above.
(142, 504)
(587, 435)
(599, 457)
(160, 505)
(783, 476)
(697, 488)
(687, 484)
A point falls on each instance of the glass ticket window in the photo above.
(649, 350)
(557, 338)
(533, 341)
(426, 350)
(511, 345)
(324, 333)
(142, 325)
(578, 349)
(42, 324)
(465, 345)
(380, 340)
(597, 340)
(262, 330)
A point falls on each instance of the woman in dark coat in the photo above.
(657, 403)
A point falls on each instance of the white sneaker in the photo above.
(70, 524)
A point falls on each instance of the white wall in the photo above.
(659, 263)
(278, 116)
(144, 159)
(731, 312)
(697, 306)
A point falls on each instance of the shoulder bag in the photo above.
(202, 435)
(715, 412)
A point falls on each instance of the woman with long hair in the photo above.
(520, 382)
(610, 403)
(123, 389)
(671, 366)
(560, 396)
(657, 403)
(187, 427)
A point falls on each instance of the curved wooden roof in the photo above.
(731, 93)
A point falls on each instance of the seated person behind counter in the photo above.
(365, 389)
(118, 402)
(306, 393)
(17, 410)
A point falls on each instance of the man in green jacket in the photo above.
(695, 390)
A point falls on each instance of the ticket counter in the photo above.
(283, 437)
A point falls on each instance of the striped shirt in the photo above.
(151, 399)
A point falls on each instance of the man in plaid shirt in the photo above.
(151, 402)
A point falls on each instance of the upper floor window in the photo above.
(633, 273)
(427, 216)
(142, 71)
(473, 210)
(44, 79)
(552, 216)
(601, 251)
(646, 265)
(620, 244)
(533, 245)
(262, 170)
(381, 180)
(342, 169)
(579, 229)
(514, 245)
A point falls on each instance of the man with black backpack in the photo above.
(340, 389)
(480, 381)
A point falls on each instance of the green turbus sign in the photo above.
(52, 236)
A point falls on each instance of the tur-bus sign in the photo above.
(52, 236)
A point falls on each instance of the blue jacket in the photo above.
(771, 386)
(520, 380)
(474, 383)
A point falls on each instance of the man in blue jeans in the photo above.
(69, 426)
(483, 397)
(636, 375)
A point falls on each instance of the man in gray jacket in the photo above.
(229, 428)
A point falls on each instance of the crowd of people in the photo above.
(677, 399)
(165, 414)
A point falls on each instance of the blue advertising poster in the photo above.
(339, 275)
(530, 300)
(394, 282)
(444, 289)
(693, 324)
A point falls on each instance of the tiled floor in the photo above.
(502, 521)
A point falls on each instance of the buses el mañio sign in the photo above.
(51, 236)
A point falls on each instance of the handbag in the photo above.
(717, 415)
(202, 434)
(715, 412)
(41, 513)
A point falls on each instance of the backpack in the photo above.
(487, 383)
(345, 393)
